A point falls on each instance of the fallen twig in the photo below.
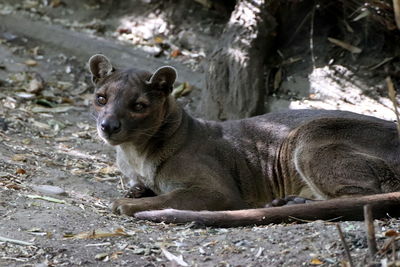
(346, 248)
(396, 8)
(107, 179)
(15, 241)
(312, 36)
(344, 45)
(50, 199)
(383, 62)
(392, 96)
(369, 223)
(343, 209)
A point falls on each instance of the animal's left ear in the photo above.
(100, 67)
(163, 79)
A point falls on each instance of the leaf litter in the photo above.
(48, 155)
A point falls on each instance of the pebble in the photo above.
(49, 190)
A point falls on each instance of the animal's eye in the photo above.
(138, 107)
(101, 100)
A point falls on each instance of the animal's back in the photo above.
(259, 140)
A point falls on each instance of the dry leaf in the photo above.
(171, 257)
(31, 63)
(188, 88)
(176, 53)
(344, 45)
(19, 157)
(59, 109)
(35, 51)
(363, 14)
(391, 233)
(14, 186)
(182, 90)
(206, 3)
(124, 30)
(291, 60)
(97, 234)
(20, 171)
(158, 40)
(35, 86)
(106, 170)
(259, 252)
(55, 3)
(26, 141)
(25, 95)
(278, 79)
(50, 199)
(40, 125)
(316, 262)
(115, 255)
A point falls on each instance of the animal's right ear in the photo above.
(163, 79)
(100, 67)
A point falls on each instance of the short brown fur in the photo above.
(192, 164)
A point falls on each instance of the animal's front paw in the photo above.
(138, 191)
(124, 206)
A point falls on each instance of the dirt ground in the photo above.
(57, 179)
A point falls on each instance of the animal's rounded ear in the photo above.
(100, 67)
(163, 79)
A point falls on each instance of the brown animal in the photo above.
(184, 163)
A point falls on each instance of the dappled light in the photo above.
(337, 87)
(199, 133)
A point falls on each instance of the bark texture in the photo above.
(235, 78)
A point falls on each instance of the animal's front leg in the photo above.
(193, 198)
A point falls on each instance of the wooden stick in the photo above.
(342, 209)
(396, 7)
(369, 224)
(346, 248)
(392, 96)
(15, 241)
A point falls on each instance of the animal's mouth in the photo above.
(112, 142)
(112, 139)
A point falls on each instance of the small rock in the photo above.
(49, 190)
(101, 256)
(3, 124)
(187, 39)
(9, 37)
(31, 63)
(35, 86)
(153, 50)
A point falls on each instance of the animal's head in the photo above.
(130, 105)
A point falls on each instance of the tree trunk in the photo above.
(235, 78)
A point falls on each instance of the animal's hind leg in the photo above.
(338, 170)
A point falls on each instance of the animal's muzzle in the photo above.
(110, 126)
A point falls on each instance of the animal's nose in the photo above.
(110, 126)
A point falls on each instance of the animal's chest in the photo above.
(136, 166)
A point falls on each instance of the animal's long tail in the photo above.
(335, 209)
